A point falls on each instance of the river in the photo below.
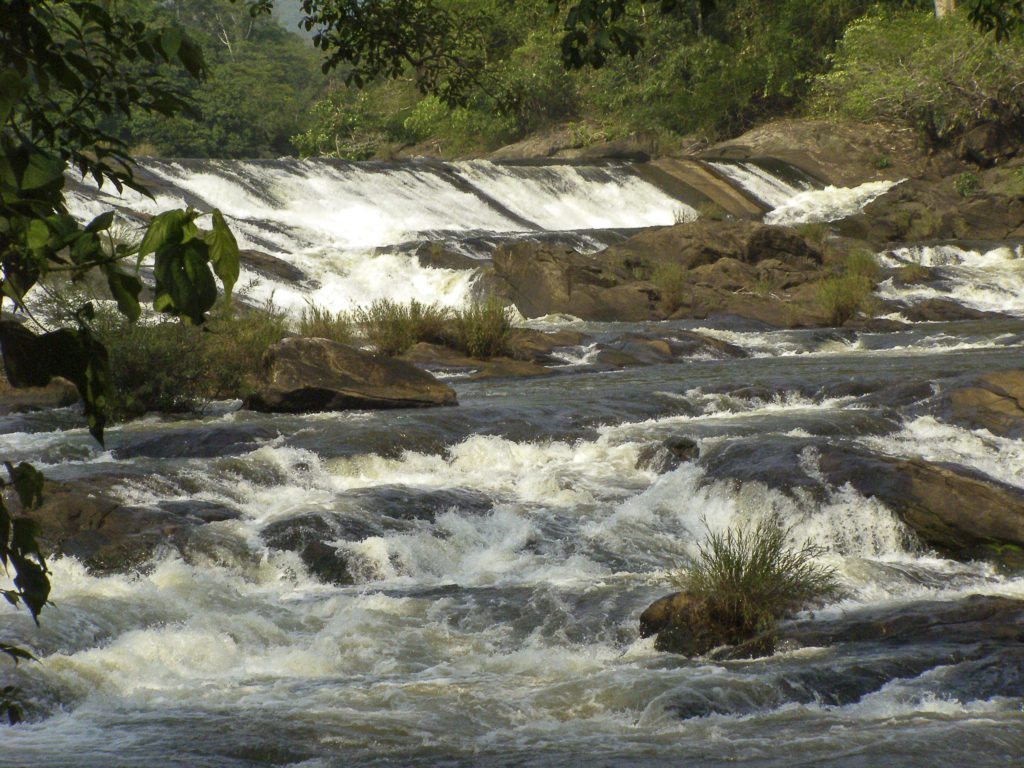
(503, 550)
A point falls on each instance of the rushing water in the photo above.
(502, 550)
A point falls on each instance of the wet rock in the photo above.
(942, 310)
(683, 625)
(616, 358)
(975, 619)
(668, 455)
(388, 503)
(779, 243)
(272, 266)
(88, 520)
(995, 403)
(301, 375)
(537, 346)
(59, 393)
(307, 535)
(440, 256)
(956, 510)
(441, 359)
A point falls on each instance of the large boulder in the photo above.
(994, 402)
(302, 375)
(88, 519)
(779, 243)
(57, 394)
(542, 279)
(958, 511)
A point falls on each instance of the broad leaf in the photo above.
(223, 252)
(164, 229)
(125, 288)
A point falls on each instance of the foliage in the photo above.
(943, 76)
(321, 323)
(748, 578)
(672, 283)
(966, 184)
(843, 296)
(861, 262)
(483, 328)
(387, 325)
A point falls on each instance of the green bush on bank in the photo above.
(943, 76)
(483, 328)
(843, 296)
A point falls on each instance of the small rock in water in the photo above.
(668, 455)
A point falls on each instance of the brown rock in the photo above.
(301, 375)
(59, 393)
(272, 266)
(779, 243)
(956, 510)
(434, 357)
(996, 402)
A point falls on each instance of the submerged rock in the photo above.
(683, 625)
(667, 455)
(302, 375)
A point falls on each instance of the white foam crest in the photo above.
(990, 281)
(344, 208)
(477, 550)
(554, 473)
(828, 204)
(998, 457)
(769, 189)
(561, 197)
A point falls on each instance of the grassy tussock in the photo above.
(320, 323)
(845, 295)
(748, 578)
(672, 283)
(482, 330)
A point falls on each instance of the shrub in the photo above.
(387, 326)
(232, 347)
(843, 296)
(862, 262)
(671, 281)
(966, 184)
(431, 322)
(746, 579)
(482, 329)
(942, 76)
(912, 274)
(319, 322)
(814, 231)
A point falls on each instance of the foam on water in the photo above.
(828, 204)
(990, 281)
(567, 197)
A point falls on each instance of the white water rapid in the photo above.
(461, 586)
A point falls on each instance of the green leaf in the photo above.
(12, 89)
(101, 222)
(38, 234)
(42, 171)
(223, 252)
(164, 229)
(16, 653)
(170, 42)
(125, 288)
(184, 282)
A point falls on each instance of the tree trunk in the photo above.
(944, 7)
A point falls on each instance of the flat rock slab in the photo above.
(306, 375)
(995, 402)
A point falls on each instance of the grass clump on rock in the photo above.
(321, 323)
(843, 296)
(483, 328)
(740, 584)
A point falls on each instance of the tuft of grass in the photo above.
(814, 232)
(482, 329)
(320, 322)
(747, 578)
(671, 281)
(708, 210)
(392, 328)
(863, 263)
(842, 297)
(912, 274)
(387, 326)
